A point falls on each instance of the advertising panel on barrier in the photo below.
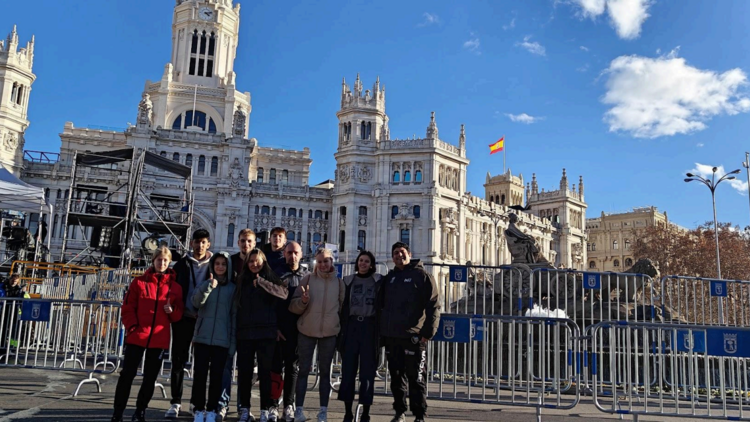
(719, 288)
(729, 343)
(36, 310)
(592, 281)
(458, 273)
(454, 329)
(477, 330)
(690, 341)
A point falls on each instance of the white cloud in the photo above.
(472, 44)
(706, 171)
(700, 144)
(664, 96)
(584, 68)
(523, 118)
(626, 16)
(532, 47)
(511, 25)
(584, 48)
(429, 19)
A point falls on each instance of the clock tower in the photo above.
(16, 78)
(197, 89)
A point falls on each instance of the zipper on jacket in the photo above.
(216, 312)
(156, 306)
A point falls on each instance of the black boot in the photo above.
(139, 416)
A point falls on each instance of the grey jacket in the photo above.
(217, 313)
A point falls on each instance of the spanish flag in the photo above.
(497, 146)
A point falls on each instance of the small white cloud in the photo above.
(511, 25)
(523, 118)
(429, 19)
(626, 16)
(664, 96)
(532, 47)
(584, 48)
(700, 144)
(472, 44)
(706, 171)
(584, 68)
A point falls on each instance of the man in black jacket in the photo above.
(274, 250)
(409, 318)
(191, 271)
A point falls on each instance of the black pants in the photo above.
(246, 353)
(131, 362)
(407, 362)
(226, 384)
(286, 359)
(359, 352)
(182, 336)
(208, 359)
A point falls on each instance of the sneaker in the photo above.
(211, 416)
(223, 412)
(264, 416)
(192, 409)
(400, 417)
(419, 419)
(116, 419)
(199, 416)
(348, 418)
(139, 416)
(323, 416)
(245, 416)
(299, 415)
(173, 412)
(289, 413)
(273, 414)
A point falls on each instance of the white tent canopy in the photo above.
(17, 195)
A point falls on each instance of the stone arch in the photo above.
(210, 112)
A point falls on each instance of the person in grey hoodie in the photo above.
(214, 337)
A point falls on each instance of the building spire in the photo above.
(534, 185)
(462, 139)
(432, 129)
(580, 186)
(564, 186)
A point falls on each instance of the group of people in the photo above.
(263, 305)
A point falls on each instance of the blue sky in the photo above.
(630, 94)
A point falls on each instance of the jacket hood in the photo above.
(203, 261)
(229, 265)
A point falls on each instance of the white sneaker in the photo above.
(299, 415)
(173, 412)
(199, 417)
(192, 409)
(223, 412)
(273, 414)
(323, 416)
(210, 416)
(264, 416)
(289, 413)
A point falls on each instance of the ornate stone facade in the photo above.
(16, 78)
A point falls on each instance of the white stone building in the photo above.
(384, 189)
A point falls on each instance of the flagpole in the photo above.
(504, 149)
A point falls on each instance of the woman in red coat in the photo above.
(153, 302)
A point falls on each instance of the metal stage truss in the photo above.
(126, 203)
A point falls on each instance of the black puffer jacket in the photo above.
(409, 303)
(288, 320)
(256, 316)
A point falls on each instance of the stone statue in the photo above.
(145, 111)
(523, 248)
(238, 125)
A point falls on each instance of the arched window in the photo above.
(396, 177)
(342, 240)
(290, 235)
(292, 212)
(316, 238)
(46, 194)
(284, 176)
(273, 210)
(593, 247)
(394, 211)
(417, 211)
(265, 210)
(230, 235)
(310, 214)
(201, 165)
(407, 176)
(615, 245)
(163, 154)
(272, 177)
(363, 129)
(214, 166)
(405, 236)
(176, 157)
(361, 240)
(55, 221)
(628, 262)
(177, 124)
(194, 121)
(260, 175)
(616, 263)
(592, 264)
(363, 211)
(59, 193)
(300, 213)
(318, 214)
(418, 176)
(189, 160)
(627, 244)
(502, 199)
(325, 217)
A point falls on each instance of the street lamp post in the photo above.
(712, 184)
(746, 164)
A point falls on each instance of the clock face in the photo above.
(205, 13)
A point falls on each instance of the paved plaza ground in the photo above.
(37, 395)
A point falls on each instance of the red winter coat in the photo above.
(146, 323)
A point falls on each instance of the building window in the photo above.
(394, 211)
(55, 221)
(285, 176)
(316, 239)
(257, 210)
(361, 240)
(62, 229)
(396, 177)
(290, 235)
(273, 211)
(418, 176)
(615, 245)
(592, 264)
(326, 217)
(318, 214)
(417, 211)
(593, 247)
(363, 211)
(627, 244)
(342, 210)
(342, 240)
(189, 160)
(201, 165)
(163, 154)
(194, 120)
(230, 235)
(405, 236)
(202, 50)
(292, 212)
(300, 213)
(176, 157)
(628, 262)
(265, 210)
(616, 263)
(214, 166)
(407, 176)
(259, 179)
(502, 199)
(272, 177)
(59, 193)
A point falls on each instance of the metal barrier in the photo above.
(696, 300)
(67, 335)
(687, 371)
